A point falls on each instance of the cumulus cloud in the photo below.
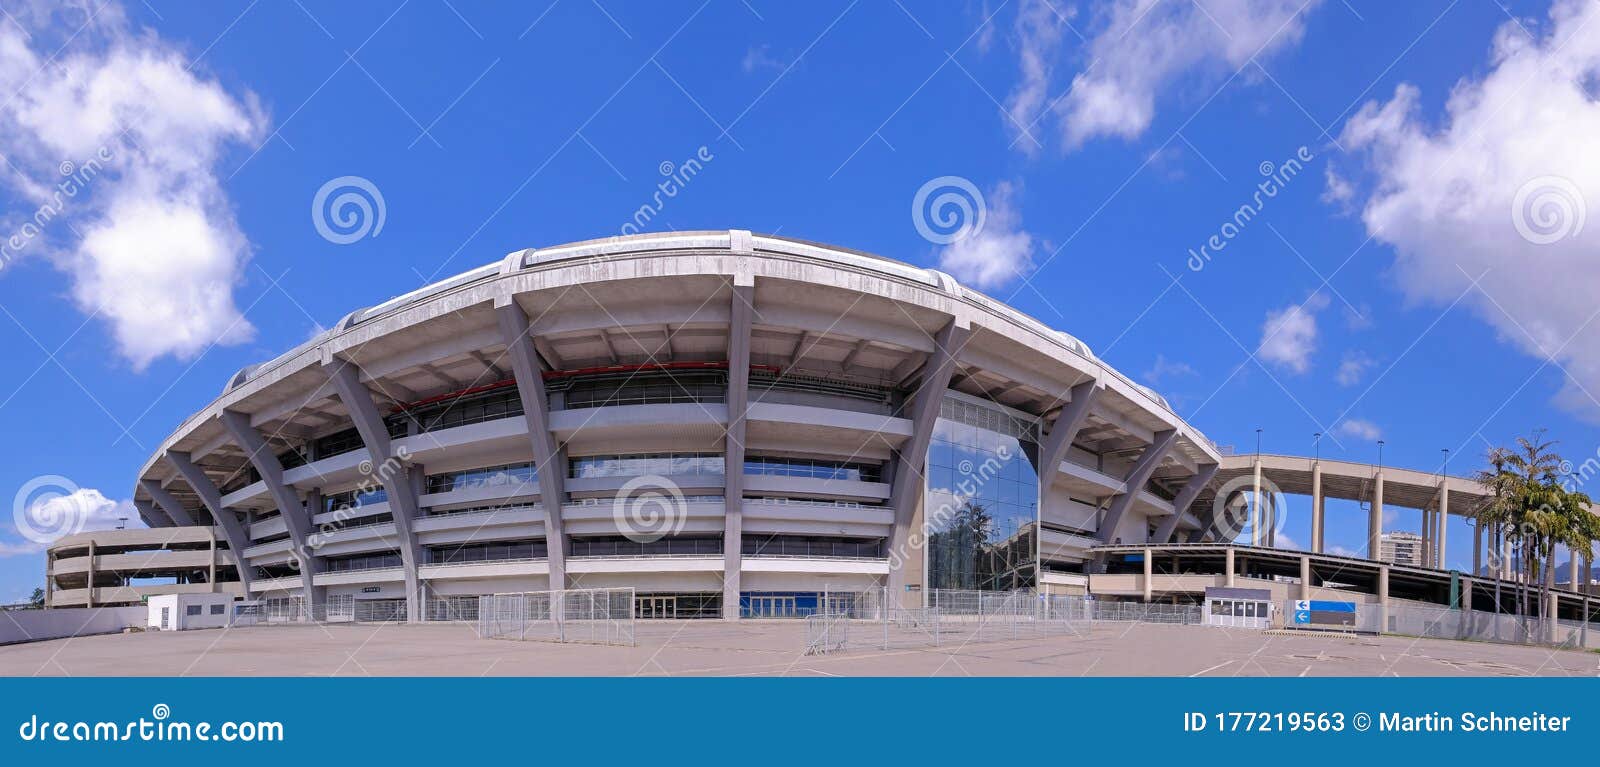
(1353, 368)
(1336, 190)
(1501, 186)
(996, 254)
(115, 142)
(1289, 335)
(1141, 49)
(1359, 429)
(51, 517)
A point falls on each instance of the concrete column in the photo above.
(1477, 546)
(1149, 575)
(1305, 577)
(1318, 531)
(49, 579)
(1185, 498)
(295, 518)
(907, 491)
(236, 534)
(1572, 571)
(1549, 616)
(1064, 429)
(1428, 538)
(389, 469)
(1375, 518)
(1228, 569)
(89, 596)
(548, 463)
(1383, 597)
(1256, 538)
(1147, 464)
(211, 570)
(1442, 559)
(1466, 608)
(738, 400)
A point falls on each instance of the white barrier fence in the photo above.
(57, 623)
(595, 616)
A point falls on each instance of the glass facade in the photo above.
(981, 509)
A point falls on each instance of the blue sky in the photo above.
(1392, 288)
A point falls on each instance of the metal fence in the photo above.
(596, 616)
(955, 618)
(1444, 623)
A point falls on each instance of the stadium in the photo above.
(733, 426)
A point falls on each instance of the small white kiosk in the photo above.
(181, 612)
(1238, 608)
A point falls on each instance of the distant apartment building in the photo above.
(1401, 548)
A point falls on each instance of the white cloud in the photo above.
(1337, 190)
(757, 57)
(117, 141)
(1359, 429)
(1289, 335)
(997, 254)
(83, 510)
(1445, 198)
(1165, 369)
(1353, 368)
(1038, 27)
(1142, 48)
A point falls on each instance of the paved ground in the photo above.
(761, 648)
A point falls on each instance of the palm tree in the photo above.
(1526, 499)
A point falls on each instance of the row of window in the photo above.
(498, 551)
(513, 474)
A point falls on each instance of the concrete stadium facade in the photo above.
(795, 418)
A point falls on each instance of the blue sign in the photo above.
(1302, 616)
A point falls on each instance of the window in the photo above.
(491, 476)
(354, 499)
(640, 389)
(500, 402)
(337, 443)
(219, 609)
(814, 547)
(638, 465)
(498, 551)
(192, 610)
(814, 469)
(672, 546)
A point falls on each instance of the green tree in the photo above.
(1535, 512)
(37, 599)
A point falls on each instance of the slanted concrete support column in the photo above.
(151, 514)
(211, 498)
(1147, 464)
(738, 399)
(388, 469)
(1228, 567)
(910, 464)
(547, 459)
(1064, 429)
(168, 503)
(1149, 575)
(1318, 526)
(1305, 577)
(1185, 498)
(287, 500)
(1375, 518)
